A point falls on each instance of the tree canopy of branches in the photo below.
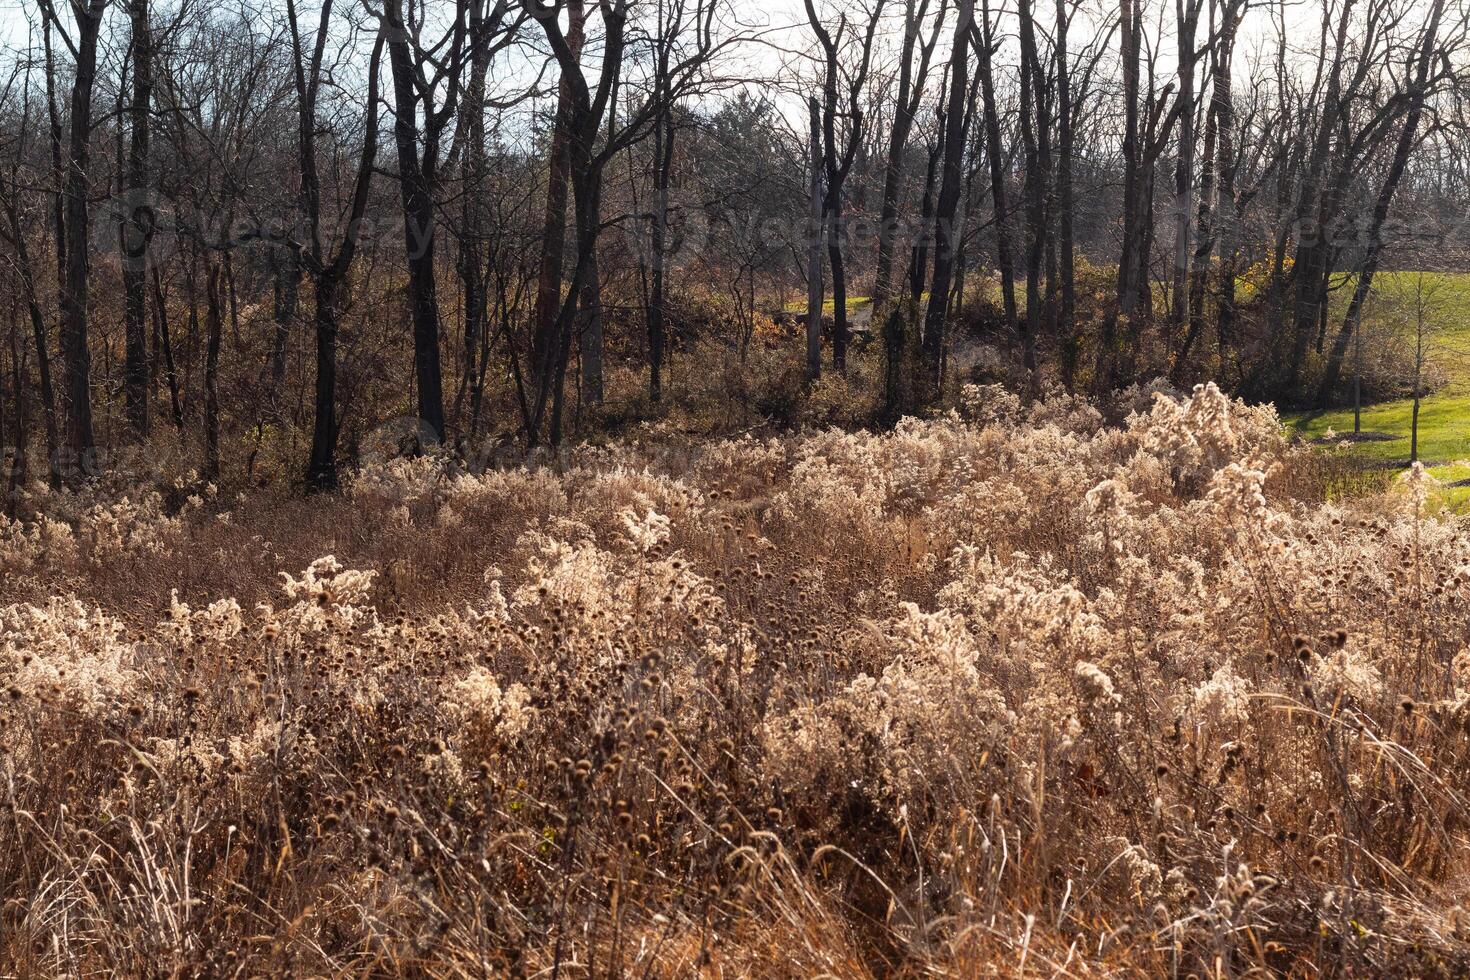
(592, 191)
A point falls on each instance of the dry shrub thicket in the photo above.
(1008, 690)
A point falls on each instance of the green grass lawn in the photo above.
(829, 305)
(1444, 417)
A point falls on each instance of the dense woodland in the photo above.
(278, 228)
(687, 488)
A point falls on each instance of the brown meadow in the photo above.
(1010, 690)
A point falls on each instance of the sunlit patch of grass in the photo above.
(1444, 429)
(829, 305)
(1444, 416)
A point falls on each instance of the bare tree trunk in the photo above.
(586, 165)
(191, 333)
(815, 231)
(894, 361)
(58, 163)
(919, 259)
(1066, 239)
(160, 314)
(477, 389)
(416, 191)
(1226, 218)
(1034, 125)
(590, 334)
(587, 197)
(76, 357)
(910, 91)
(1357, 382)
(1126, 300)
(16, 238)
(472, 283)
(471, 259)
(1418, 359)
(286, 290)
(329, 275)
(1198, 279)
(553, 233)
(1128, 271)
(837, 160)
(946, 235)
(137, 228)
(899, 342)
(995, 158)
(18, 474)
(663, 161)
(321, 467)
(227, 270)
(1186, 14)
(839, 285)
(590, 342)
(7, 445)
(214, 325)
(1310, 266)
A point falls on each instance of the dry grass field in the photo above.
(1008, 691)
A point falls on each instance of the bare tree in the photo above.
(838, 154)
(946, 235)
(14, 235)
(1217, 163)
(1186, 24)
(137, 228)
(76, 356)
(985, 46)
(686, 27)
(663, 169)
(553, 236)
(1066, 233)
(420, 71)
(909, 95)
(816, 232)
(328, 270)
(475, 227)
(1035, 111)
(1427, 56)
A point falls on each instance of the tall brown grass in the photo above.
(1007, 691)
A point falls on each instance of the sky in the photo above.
(1302, 15)
(13, 22)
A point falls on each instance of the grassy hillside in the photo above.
(1444, 416)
